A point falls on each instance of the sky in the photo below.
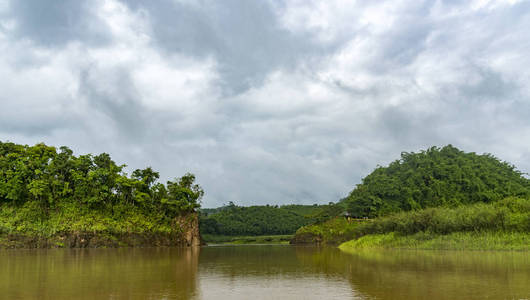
(267, 102)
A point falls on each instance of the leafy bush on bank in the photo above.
(332, 232)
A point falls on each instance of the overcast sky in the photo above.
(267, 101)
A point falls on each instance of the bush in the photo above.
(511, 214)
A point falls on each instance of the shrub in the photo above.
(511, 214)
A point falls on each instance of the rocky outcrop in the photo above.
(189, 225)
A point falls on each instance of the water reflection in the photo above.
(153, 273)
(406, 274)
(262, 272)
(269, 272)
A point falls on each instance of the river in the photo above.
(262, 272)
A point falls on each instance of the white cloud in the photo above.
(294, 103)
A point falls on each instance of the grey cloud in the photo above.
(113, 94)
(490, 85)
(33, 127)
(306, 136)
(243, 36)
(56, 22)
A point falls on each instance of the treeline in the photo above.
(44, 177)
(233, 220)
(435, 177)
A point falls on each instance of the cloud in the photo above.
(267, 102)
(54, 23)
(243, 36)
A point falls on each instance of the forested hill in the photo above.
(46, 191)
(263, 219)
(435, 177)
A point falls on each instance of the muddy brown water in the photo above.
(262, 272)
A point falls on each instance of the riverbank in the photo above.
(502, 225)
(91, 240)
(50, 198)
(73, 226)
(518, 241)
(241, 240)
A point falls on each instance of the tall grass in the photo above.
(485, 240)
(510, 215)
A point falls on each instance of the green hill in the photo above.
(440, 198)
(435, 177)
(233, 220)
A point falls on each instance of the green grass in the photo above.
(511, 215)
(69, 217)
(486, 240)
(502, 225)
(27, 226)
(261, 239)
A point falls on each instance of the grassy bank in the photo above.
(511, 215)
(502, 225)
(71, 225)
(453, 241)
(261, 239)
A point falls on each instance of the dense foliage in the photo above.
(510, 214)
(332, 232)
(436, 177)
(46, 184)
(506, 218)
(501, 225)
(234, 220)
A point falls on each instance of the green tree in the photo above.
(183, 195)
(435, 177)
(48, 177)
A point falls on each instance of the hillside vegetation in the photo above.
(503, 225)
(50, 197)
(331, 232)
(435, 177)
(233, 220)
(510, 214)
(438, 192)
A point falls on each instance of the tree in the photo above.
(184, 195)
(43, 175)
(147, 176)
(435, 177)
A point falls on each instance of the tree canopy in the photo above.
(46, 175)
(435, 177)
